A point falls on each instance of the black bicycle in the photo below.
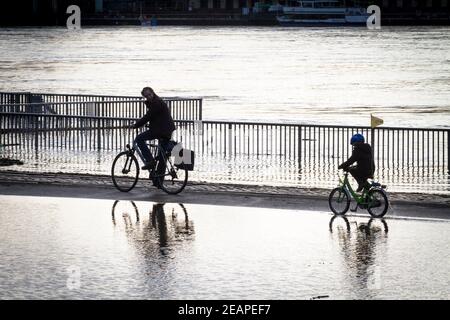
(166, 175)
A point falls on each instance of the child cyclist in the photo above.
(363, 156)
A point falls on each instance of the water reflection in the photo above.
(177, 230)
(360, 243)
(167, 225)
(144, 250)
(125, 215)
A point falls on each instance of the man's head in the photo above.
(148, 93)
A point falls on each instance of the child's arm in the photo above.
(349, 161)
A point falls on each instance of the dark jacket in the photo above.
(362, 154)
(158, 116)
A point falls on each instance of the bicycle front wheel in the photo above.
(125, 171)
(174, 179)
(339, 201)
(377, 203)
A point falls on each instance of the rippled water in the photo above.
(67, 248)
(312, 75)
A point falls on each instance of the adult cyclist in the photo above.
(161, 125)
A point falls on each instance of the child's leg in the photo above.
(360, 179)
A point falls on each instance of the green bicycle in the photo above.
(373, 198)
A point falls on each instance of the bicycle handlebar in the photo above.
(128, 126)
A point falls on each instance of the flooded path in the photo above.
(105, 249)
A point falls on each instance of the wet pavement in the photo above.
(82, 181)
(94, 249)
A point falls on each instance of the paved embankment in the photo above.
(101, 187)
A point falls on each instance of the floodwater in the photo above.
(299, 75)
(102, 249)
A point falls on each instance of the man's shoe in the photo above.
(156, 183)
(149, 165)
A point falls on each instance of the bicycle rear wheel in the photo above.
(339, 201)
(125, 171)
(174, 179)
(377, 203)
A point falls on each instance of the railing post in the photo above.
(299, 151)
(448, 151)
(36, 132)
(171, 111)
(103, 109)
(200, 109)
(99, 140)
(372, 142)
(230, 138)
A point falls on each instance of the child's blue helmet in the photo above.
(357, 138)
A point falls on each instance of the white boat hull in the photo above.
(323, 16)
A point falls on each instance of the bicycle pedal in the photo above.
(354, 209)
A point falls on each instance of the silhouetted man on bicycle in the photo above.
(160, 122)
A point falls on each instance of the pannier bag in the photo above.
(185, 159)
(168, 145)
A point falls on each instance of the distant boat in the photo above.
(319, 13)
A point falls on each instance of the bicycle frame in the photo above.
(159, 152)
(134, 149)
(345, 184)
(372, 196)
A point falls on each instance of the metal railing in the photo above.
(102, 105)
(394, 147)
(420, 149)
(110, 109)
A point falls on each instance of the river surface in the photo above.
(300, 75)
(295, 75)
(66, 248)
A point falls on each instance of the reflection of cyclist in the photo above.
(160, 121)
(363, 156)
(360, 247)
